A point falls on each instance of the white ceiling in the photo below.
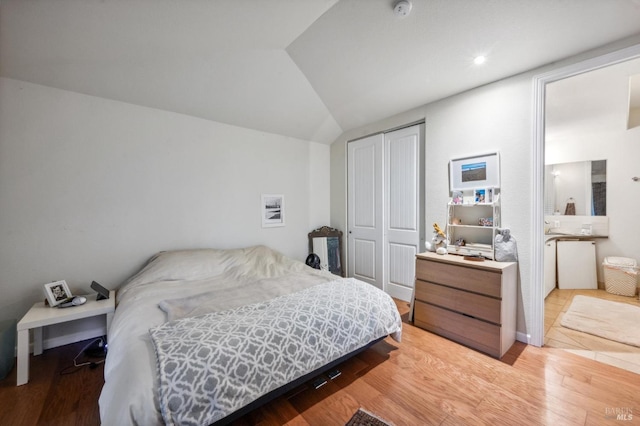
(308, 69)
(592, 103)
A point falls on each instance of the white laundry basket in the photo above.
(620, 275)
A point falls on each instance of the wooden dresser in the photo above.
(473, 303)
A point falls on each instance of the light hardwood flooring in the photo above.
(424, 380)
(429, 380)
(583, 344)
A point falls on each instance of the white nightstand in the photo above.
(40, 316)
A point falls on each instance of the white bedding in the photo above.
(183, 283)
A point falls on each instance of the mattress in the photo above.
(186, 286)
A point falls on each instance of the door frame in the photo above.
(536, 333)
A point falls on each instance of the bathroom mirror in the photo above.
(583, 183)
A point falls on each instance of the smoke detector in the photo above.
(402, 8)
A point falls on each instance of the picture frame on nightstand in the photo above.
(57, 292)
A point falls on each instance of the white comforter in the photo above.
(182, 284)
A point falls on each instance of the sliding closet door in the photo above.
(365, 209)
(384, 211)
(403, 209)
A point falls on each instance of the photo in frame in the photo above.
(457, 197)
(481, 171)
(480, 196)
(272, 210)
(483, 195)
(57, 292)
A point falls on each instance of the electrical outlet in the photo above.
(556, 224)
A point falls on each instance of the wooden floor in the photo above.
(52, 398)
(583, 344)
(425, 380)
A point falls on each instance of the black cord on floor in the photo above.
(76, 366)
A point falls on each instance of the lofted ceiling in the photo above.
(308, 69)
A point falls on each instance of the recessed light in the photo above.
(479, 60)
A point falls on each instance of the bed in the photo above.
(200, 336)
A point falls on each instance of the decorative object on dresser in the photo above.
(473, 214)
(439, 240)
(505, 249)
(473, 303)
(472, 228)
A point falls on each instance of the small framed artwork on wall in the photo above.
(481, 171)
(272, 210)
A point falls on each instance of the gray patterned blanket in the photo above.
(212, 365)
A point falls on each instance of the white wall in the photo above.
(492, 118)
(495, 117)
(91, 188)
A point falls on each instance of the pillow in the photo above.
(198, 264)
(180, 265)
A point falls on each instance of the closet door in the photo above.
(403, 210)
(384, 209)
(365, 209)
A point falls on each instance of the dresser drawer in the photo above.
(478, 306)
(462, 277)
(471, 332)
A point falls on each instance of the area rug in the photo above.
(615, 321)
(365, 418)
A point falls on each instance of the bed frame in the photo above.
(291, 385)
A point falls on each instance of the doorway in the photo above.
(582, 112)
(540, 82)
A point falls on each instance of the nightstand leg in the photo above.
(23, 357)
(37, 341)
(109, 320)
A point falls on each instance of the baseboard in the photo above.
(74, 337)
(67, 339)
(523, 337)
(399, 292)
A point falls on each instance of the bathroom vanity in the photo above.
(549, 266)
(570, 259)
(576, 260)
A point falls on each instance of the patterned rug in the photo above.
(365, 418)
